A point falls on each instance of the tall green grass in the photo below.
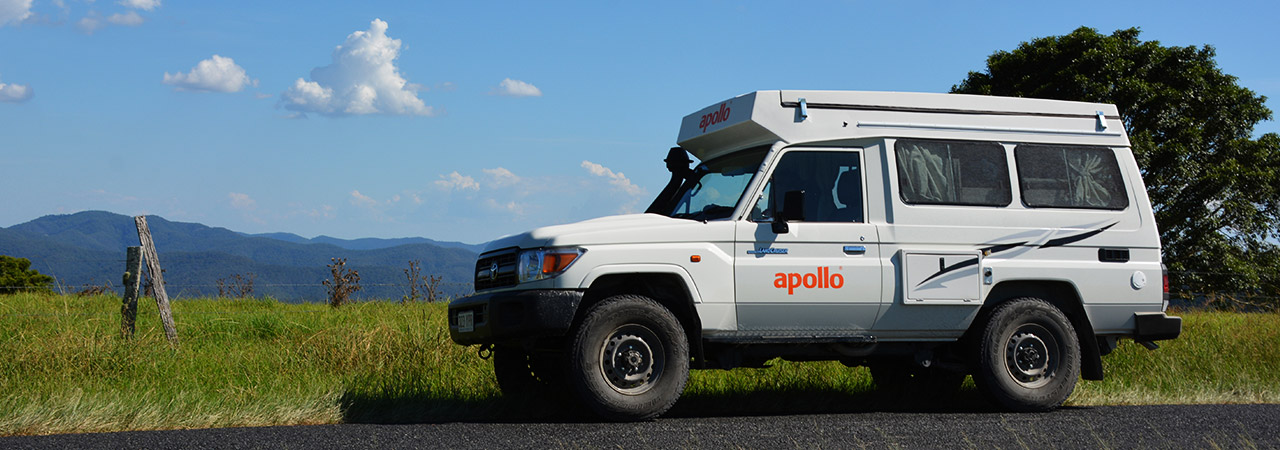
(65, 368)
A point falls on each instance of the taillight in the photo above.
(1164, 277)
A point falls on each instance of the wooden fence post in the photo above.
(132, 281)
(157, 278)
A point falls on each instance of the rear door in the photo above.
(823, 273)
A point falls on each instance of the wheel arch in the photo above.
(671, 287)
(1062, 295)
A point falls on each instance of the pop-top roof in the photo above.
(765, 117)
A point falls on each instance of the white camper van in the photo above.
(926, 236)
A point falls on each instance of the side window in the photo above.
(1070, 177)
(952, 173)
(831, 181)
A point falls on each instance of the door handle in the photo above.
(855, 249)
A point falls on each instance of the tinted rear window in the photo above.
(952, 173)
(1070, 177)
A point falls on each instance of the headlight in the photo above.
(542, 263)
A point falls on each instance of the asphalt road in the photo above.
(1198, 426)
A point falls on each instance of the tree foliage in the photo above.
(1215, 189)
(16, 276)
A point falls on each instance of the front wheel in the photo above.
(629, 359)
(1029, 356)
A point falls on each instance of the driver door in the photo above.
(823, 272)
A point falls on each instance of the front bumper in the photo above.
(514, 315)
(1156, 326)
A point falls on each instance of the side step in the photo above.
(788, 337)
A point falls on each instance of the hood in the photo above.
(624, 229)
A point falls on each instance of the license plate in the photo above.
(466, 321)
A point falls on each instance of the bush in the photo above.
(16, 276)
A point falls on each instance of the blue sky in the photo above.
(466, 120)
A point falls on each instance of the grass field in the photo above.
(260, 362)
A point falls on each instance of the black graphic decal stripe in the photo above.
(951, 268)
(1076, 238)
(997, 248)
(1001, 247)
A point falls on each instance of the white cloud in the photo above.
(13, 12)
(94, 22)
(457, 181)
(15, 93)
(241, 201)
(216, 74)
(362, 79)
(502, 176)
(88, 24)
(517, 88)
(359, 199)
(129, 19)
(510, 206)
(323, 212)
(145, 5)
(617, 179)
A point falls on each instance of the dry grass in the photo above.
(250, 362)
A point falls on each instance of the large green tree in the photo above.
(1214, 187)
(16, 276)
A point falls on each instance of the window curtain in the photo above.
(1085, 177)
(927, 173)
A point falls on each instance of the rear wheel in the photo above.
(629, 359)
(1029, 356)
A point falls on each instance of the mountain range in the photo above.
(88, 248)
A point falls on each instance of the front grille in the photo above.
(506, 274)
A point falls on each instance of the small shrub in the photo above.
(420, 287)
(432, 285)
(96, 289)
(236, 286)
(414, 276)
(344, 283)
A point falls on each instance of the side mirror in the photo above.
(792, 209)
(779, 226)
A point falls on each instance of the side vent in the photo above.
(1116, 255)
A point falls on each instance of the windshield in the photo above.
(715, 186)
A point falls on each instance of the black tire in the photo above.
(629, 359)
(899, 377)
(521, 373)
(1028, 357)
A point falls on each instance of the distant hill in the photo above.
(89, 248)
(368, 243)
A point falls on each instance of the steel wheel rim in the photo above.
(1032, 356)
(631, 359)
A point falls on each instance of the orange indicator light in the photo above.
(695, 258)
